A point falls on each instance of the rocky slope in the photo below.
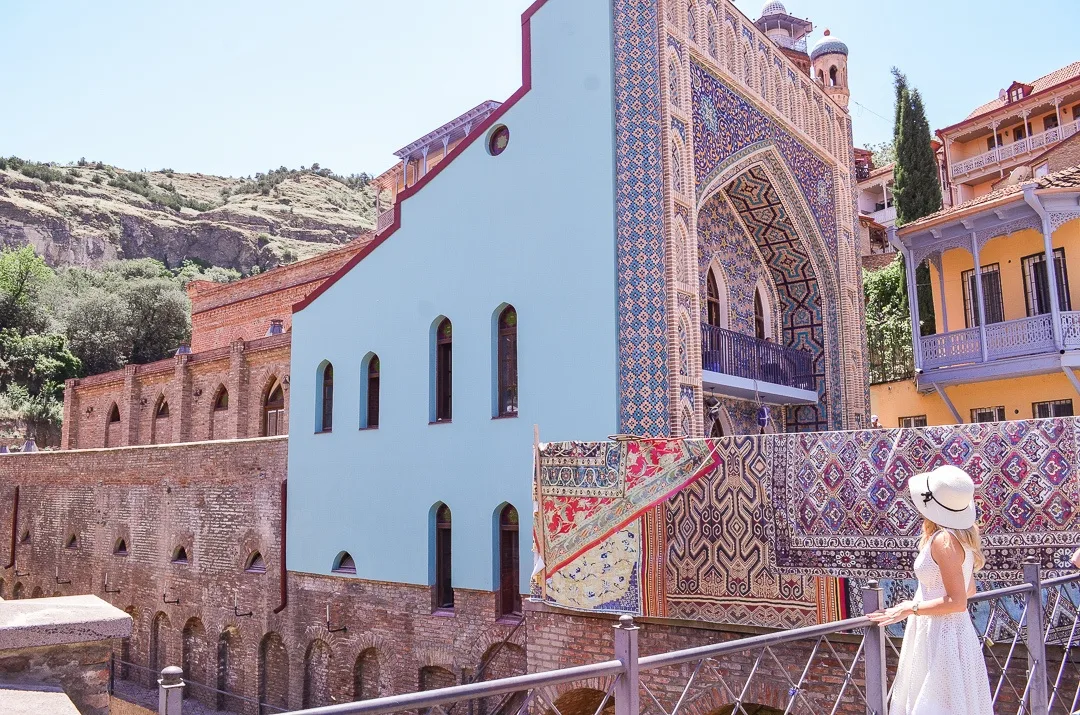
(73, 216)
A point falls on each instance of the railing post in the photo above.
(1038, 702)
(171, 691)
(874, 650)
(627, 691)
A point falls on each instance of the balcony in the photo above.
(1022, 338)
(885, 216)
(386, 218)
(1021, 147)
(746, 368)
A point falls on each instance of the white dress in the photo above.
(941, 669)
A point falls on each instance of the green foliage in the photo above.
(139, 184)
(24, 277)
(34, 170)
(97, 179)
(38, 362)
(264, 183)
(197, 270)
(888, 328)
(884, 153)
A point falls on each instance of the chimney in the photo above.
(277, 327)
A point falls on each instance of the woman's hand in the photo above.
(893, 615)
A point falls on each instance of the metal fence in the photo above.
(1028, 630)
(730, 353)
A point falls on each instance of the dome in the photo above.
(828, 45)
(774, 7)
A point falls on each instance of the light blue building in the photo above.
(550, 272)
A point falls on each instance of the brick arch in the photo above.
(437, 658)
(269, 381)
(230, 670)
(273, 673)
(218, 420)
(583, 698)
(434, 677)
(371, 677)
(492, 637)
(161, 428)
(761, 698)
(318, 659)
(113, 429)
(194, 656)
(159, 642)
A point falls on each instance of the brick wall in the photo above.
(223, 313)
(190, 384)
(80, 669)
(221, 502)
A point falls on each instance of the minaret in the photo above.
(786, 31)
(828, 67)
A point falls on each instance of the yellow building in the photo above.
(1007, 346)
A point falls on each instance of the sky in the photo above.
(234, 87)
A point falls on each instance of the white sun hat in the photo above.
(945, 496)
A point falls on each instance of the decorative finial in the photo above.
(827, 33)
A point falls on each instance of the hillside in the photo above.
(91, 213)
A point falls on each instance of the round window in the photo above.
(498, 138)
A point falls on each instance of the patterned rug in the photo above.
(758, 530)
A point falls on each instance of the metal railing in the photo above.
(148, 681)
(1017, 148)
(1006, 339)
(1028, 632)
(730, 353)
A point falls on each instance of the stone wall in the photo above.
(214, 616)
(80, 669)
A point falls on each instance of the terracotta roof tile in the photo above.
(1056, 77)
(1064, 179)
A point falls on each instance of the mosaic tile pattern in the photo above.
(642, 290)
(754, 198)
(725, 124)
(722, 237)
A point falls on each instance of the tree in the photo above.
(24, 277)
(888, 333)
(917, 185)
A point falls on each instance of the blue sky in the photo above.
(242, 86)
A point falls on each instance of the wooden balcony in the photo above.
(744, 367)
(1020, 148)
(1008, 339)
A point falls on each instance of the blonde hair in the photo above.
(968, 538)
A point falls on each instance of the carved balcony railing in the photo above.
(1008, 339)
(386, 218)
(1020, 147)
(730, 353)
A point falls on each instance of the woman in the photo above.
(941, 669)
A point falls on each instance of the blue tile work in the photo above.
(726, 124)
(755, 199)
(643, 378)
(721, 236)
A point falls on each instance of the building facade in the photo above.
(707, 269)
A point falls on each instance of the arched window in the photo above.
(369, 418)
(161, 431)
(507, 362)
(832, 76)
(345, 564)
(713, 310)
(112, 426)
(759, 316)
(218, 414)
(444, 364)
(255, 563)
(676, 168)
(273, 422)
(509, 576)
(443, 589)
(674, 95)
(691, 22)
(326, 399)
(180, 555)
(714, 48)
(72, 542)
(121, 548)
(748, 68)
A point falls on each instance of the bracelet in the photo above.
(915, 608)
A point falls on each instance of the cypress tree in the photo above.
(917, 188)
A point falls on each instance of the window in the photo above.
(112, 427)
(509, 577)
(909, 422)
(114, 414)
(72, 542)
(371, 399)
(344, 563)
(221, 402)
(326, 401)
(1050, 122)
(832, 76)
(121, 548)
(712, 300)
(759, 316)
(443, 588)
(1016, 94)
(714, 47)
(990, 142)
(444, 363)
(162, 409)
(1019, 133)
(691, 22)
(255, 563)
(274, 412)
(160, 432)
(674, 95)
(1054, 408)
(992, 305)
(507, 361)
(1036, 282)
(221, 406)
(988, 414)
(25, 538)
(180, 555)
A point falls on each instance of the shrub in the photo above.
(97, 179)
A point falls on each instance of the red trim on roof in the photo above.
(479, 131)
(1041, 92)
